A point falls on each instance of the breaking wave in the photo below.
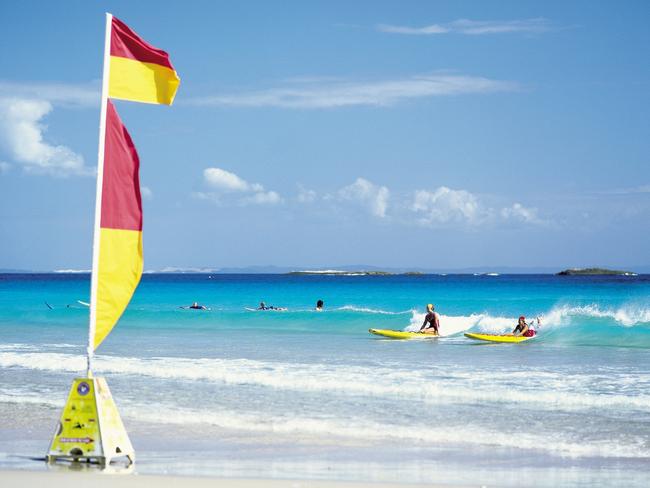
(627, 326)
(568, 393)
(332, 430)
(371, 430)
(352, 308)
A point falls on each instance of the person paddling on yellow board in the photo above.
(431, 323)
(523, 329)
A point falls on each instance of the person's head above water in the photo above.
(522, 319)
(319, 304)
(195, 304)
(430, 307)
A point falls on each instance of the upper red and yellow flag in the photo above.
(120, 228)
(139, 72)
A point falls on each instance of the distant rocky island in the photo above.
(333, 272)
(594, 271)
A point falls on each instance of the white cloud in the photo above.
(65, 94)
(374, 197)
(21, 134)
(398, 29)
(445, 205)
(211, 197)
(473, 27)
(629, 191)
(305, 195)
(338, 93)
(226, 182)
(517, 212)
(442, 207)
(264, 198)
(146, 192)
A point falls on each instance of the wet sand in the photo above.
(30, 479)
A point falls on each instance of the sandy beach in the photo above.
(12, 479)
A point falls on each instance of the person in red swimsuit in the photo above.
(523, 329)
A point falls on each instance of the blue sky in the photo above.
(407, 134)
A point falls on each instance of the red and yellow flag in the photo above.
(120, 240)
(138, 71)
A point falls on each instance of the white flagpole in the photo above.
(98, 196)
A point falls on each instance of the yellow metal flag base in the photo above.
(90, 428)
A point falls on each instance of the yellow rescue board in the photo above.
(496, 337)
(400, 334)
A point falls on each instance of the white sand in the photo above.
(29, 479)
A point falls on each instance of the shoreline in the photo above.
(478, 271)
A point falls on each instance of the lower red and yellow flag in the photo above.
(120, 242)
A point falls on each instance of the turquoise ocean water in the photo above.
(298, 393)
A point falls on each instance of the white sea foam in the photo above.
(451, 325)
(561, 315)
(628, 315)
(32, 399)
(36, 347)
(465, 387)
(352, 308)
(332, 430)
(363, 429)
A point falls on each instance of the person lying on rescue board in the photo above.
(523, 329)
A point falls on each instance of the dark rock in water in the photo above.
(594, 271)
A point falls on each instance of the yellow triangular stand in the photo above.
(90, 427)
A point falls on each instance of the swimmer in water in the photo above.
(196, 306)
